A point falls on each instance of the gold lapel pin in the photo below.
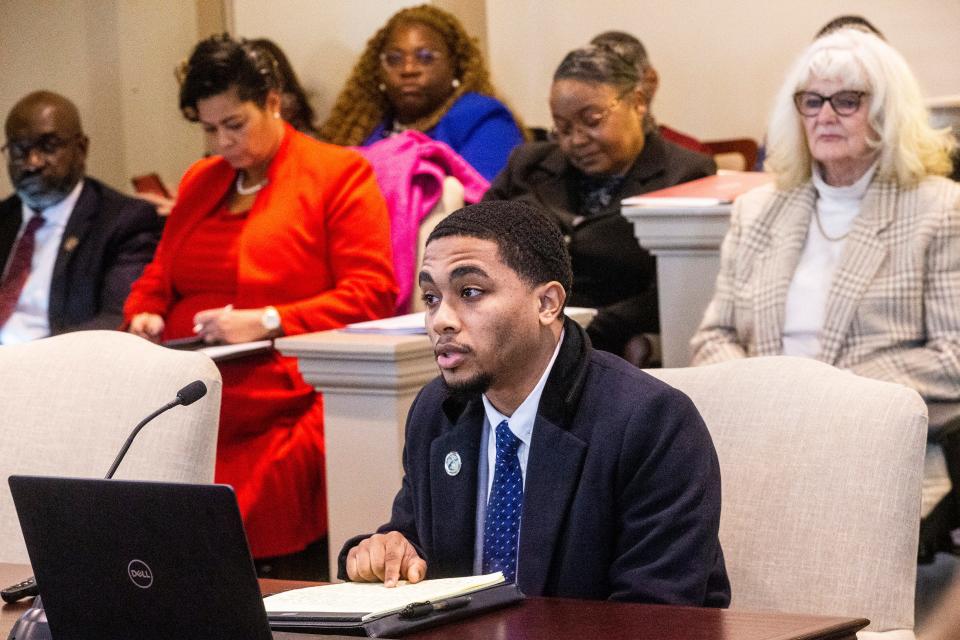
(71, 243)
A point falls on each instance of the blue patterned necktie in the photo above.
(502, 526)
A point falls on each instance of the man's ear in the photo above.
(551, 297)
(83, 143)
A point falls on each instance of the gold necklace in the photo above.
(816, 216)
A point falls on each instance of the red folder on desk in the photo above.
(722, 188)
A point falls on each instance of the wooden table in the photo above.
(563, 619)
(9, 613)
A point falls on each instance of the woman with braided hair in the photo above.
(422, 71)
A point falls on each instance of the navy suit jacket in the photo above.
(621, 497)
(107, 242)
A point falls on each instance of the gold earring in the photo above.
(455, 83)
(382, 87)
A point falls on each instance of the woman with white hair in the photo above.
(853, 256)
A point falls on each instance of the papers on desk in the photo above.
(681, 203)
(220, 352)
(409, 324)
(366, 601)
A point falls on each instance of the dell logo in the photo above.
(140, 574)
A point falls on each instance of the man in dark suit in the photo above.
(70, 246)
(574, 473)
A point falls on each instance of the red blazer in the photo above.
(316, 244)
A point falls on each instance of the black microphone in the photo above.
(187, 395)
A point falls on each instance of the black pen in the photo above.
(421, 609)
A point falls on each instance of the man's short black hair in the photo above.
(527, 240)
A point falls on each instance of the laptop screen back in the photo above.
(122, 559)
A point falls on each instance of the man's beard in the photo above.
(39, 196)
(466, 389)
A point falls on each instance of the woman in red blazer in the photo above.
(277, 234)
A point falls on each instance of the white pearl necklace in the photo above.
(246, 191)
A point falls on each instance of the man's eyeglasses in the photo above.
(47, 145)
(843, 103)
(395, 59)
(587, 120)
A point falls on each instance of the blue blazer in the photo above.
(480, 128)
(621, 497)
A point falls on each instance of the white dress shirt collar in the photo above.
(30, 320)
(521, 422)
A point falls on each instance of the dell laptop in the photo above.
(117, 559)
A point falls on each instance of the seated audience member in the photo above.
(849, 21)
(633, 50)
(295, 109)
(70, 246)
(853, 257)
(275, 234)
(600, 155)
(558, 464)
(422, 71)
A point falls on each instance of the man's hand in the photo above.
(387, 558)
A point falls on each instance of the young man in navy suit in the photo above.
(568, 469)
(70, 247)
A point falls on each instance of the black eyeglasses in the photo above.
(843, 103)
(47, 145)
(588, 120)
(394, 59)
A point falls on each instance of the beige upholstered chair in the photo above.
(68, 403)
(822, 474)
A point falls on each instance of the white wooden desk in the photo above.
(686, 244)
(368, 383)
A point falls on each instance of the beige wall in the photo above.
(114, 59)
(322, 38)
(720, 63)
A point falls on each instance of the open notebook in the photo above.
(373, 610)
(362, 601)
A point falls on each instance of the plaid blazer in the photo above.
(893, 309)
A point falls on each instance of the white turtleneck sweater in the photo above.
(837, 207)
